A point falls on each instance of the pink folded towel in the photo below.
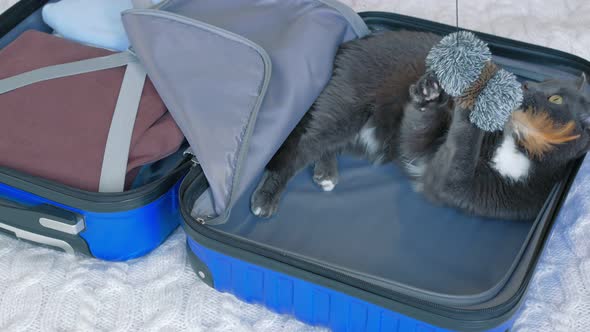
(57, 129)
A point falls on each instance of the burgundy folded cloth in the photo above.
(57, 129)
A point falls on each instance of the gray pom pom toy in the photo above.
(463, 66)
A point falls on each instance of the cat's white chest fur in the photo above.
(509, 161)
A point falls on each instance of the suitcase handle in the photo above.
(44, 224)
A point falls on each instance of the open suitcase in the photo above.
(407, 266)
(370, 256)
(110, 226)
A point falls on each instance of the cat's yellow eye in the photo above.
(556, 99)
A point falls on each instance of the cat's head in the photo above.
(554, 122)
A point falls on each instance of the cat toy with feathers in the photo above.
(463, 66)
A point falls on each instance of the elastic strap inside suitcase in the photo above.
(116, 154)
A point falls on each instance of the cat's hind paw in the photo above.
(263, 204)
(326, 183)
(325, 174)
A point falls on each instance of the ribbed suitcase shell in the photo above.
(114, 236)
(308, 302)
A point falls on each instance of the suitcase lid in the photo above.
(238, 76)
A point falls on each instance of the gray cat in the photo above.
(381, 103)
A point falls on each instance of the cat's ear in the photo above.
(582, 81)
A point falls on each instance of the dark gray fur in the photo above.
(417, 126)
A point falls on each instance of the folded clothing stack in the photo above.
(57, 129)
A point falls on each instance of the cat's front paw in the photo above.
(264, 203)
(427, 89)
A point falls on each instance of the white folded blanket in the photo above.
(92, 22)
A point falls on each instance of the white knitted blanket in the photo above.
(5, 4)
(44, 290)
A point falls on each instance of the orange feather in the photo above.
(538, 133)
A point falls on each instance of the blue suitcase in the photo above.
(373, 255)
(407, 266)
(109, 226)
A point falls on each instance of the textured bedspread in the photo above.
(43, 290)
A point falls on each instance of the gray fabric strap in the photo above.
(66, 69)
(116, 153)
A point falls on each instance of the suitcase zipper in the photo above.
(91, 201)
(188, 153)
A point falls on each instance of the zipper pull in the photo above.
(189, 153)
